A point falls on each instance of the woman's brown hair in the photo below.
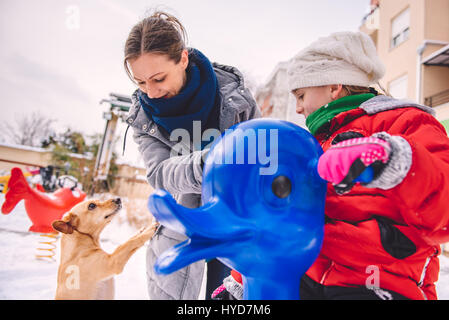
(159, 33)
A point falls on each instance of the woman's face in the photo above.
(310, 99)
(159, 76)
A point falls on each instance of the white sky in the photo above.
(51, 62)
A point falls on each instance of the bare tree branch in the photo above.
(28, 130)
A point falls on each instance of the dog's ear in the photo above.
(67, 224)
(62, 226)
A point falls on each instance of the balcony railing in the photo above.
(371, 20)
(437, 99)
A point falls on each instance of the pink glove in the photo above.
(342, 163)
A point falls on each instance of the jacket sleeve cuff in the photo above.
(233, 287)
(397, 166)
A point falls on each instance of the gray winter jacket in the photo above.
(181, 176)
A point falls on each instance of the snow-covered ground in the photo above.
(22, 276)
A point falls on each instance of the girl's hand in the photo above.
(344, 162)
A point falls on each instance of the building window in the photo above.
(398, 87)
(400, 28)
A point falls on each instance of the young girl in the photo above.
(382, 236)
(179, 88)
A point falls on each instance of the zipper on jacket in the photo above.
(424, 271)
(325, 274)
(124, 140)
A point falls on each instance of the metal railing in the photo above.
(367, 19)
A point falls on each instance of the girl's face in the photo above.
(159, 76)
(310, 99)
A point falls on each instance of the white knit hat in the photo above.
(348, 58)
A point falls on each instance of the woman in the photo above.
(178, 89)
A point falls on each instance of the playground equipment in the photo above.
(262, 212)
(5, 179)
(42, 208)
(47, 245)
(119, 107)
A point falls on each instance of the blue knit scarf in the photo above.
(196, 100)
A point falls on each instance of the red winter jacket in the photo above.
(388, 235)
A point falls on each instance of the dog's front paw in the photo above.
(146, 233)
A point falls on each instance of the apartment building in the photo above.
(412, 39)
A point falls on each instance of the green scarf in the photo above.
(327, 112)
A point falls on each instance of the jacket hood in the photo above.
(383, 103)
(228, 75)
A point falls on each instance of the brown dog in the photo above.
(85, 270)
